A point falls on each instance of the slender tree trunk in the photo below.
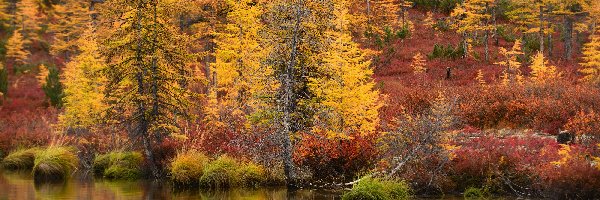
(550, 42)
(209, 47)
(487, 33)
(568, 37)
(143, 131)
(541, 34)
(465, 46)
(288, 99)
(496, 40)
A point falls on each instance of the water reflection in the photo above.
(20, 185)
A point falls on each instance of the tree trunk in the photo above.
(541, 34)
(209, 47)
(496, 41)
(568, 37)
(487, 33)
(550, 44)
(143, 125)
(288, 103)
(465, 46)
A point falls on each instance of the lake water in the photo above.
(20, 185)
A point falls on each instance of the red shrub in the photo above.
(575, 178)
(525, 165)
(26, 129)
(493, 162)
(332, 159)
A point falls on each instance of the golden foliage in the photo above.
(418, 64)
(15, 49)
(591, 58)
(345, 90)
(541, 72)
(511, 73)
(84, 85)
(240, 75)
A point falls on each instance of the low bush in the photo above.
(20, 159)
(570, 175)
(586, 125)
(251, 175)
(220, 173)
(378, 189)
(441, 25)
(55, 163)
(390, 35)
(100, 164)
(475, 193)
(187, 168)
(333, 160)
(119, 165)
(446, 52)
(527, 164)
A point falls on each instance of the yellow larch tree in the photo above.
(295, 30)
(15, 49)
(593, 18)
(429, 22)
(84, 86)
(541, 71)
(569, 11)
(4, 16)
(27, 18)
(344, 90)
(238, 57)
(384, 13)
(42, 75)
(404, 5)
(418, 64)
(471, 17)
(511, 73)
(591, 60)
(530, 17)
(71, 20)
(480, 78)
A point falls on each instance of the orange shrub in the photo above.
(586, 125)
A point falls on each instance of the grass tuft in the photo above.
(187, 168)
(251, 175)
(22, 159)
(475, 193)
(55, 163)
(220, 173)
(119, 165)
(378, 189)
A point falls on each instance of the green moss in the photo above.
(20, 159)
(475, 193)
(378, 189)
(119, 165)
(54, 163)
(251, 175)
(187, 168)
(220, 173)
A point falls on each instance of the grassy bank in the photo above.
(55, 163)
(119, 165)
(378, 189)
(193, 168)
(22, 159)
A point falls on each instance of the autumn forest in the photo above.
(364, 99)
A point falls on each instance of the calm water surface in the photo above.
(20, 185)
